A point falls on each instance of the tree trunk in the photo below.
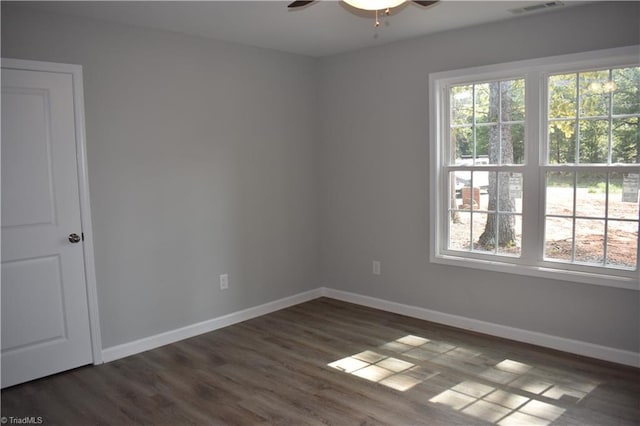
(499, 229)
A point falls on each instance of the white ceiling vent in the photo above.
(536, 7)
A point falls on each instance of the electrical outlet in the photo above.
(376, 267)
(224, 281)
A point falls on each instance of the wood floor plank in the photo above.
(328, 362)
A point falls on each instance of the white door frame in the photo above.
(83, 187)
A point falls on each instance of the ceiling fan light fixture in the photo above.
(374, 4)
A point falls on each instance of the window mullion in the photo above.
(576, 160)
(445, 160)
(606, 221)
(532, 202)
(573, 216)
(610, 123)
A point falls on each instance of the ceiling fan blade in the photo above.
(425, 3)
(300, 3)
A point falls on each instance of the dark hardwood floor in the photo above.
(333, 363)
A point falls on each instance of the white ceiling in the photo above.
(323, 28)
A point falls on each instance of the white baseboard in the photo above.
(152, 342)
(545, 340)
(540, 339)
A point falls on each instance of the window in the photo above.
(535, 167)
(486, 154)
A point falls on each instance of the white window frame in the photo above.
(531, 262)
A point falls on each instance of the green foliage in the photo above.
(594, 93)
(589, 99)
(626, 97)
(580, 105)
(474, 119)
(626, 140)
(594, 138)
(601, 188)
(562, 142)
(594, 182)
(562, 103)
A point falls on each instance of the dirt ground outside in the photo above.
(591, 205)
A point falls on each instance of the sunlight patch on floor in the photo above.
(497, 406)
(508, 392)
(388, 371)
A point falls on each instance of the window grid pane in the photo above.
(622, 243)
(486, 128)
(487, 123)
(475, 197)
(592, 217)
(592, 117)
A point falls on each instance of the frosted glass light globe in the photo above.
(374, 4)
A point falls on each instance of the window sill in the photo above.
(606, 280)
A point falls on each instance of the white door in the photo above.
(45, 315)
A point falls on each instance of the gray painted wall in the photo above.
(202, 160)
(375, 177)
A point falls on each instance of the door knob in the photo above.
(74, 238)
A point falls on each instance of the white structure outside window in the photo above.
(535, 167)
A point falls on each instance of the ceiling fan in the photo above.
(377, 5)
(368, 5)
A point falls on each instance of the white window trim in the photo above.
(534, 71)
